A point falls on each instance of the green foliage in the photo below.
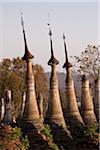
(13, 136)
(54, 147)
(47, 131)
(2, 145)
(25, 142)
(16, 134)
(87, 134)
(90, 132)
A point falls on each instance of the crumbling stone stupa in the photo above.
(54, 113)
(31, 113)
(23, 103)
(97, 98)
(40, 105)
(71, 112)
(2, 108)
(87, 108)
(8, 115)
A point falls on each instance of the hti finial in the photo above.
(66, 64)
(48, 20)
(52, 60)
(50, 33)
(22, 22)
(27, 54)
(64, 36)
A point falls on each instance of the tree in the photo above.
(88, 62)
(13, 76)
(40, 79)
(12, 79)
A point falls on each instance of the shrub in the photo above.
(12, 137)
(90, 132)
(16, 134)
(47, 131)
(25, 142)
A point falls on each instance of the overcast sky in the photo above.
(78, 20)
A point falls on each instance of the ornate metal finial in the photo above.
(50, 34)
(67, 64)
(27, 54)
(22, 22)
(66, 56)
(52, 60)
(64, 36)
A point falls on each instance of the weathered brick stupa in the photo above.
(87, 109)
(40, 105)
(97, 98)
(71, 112)
(31, 113)
(54, 113)
(2, 108)
(23, 103)
(8, 115)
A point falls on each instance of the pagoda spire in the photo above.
(31, 112)
(54, 115)
(71, 108)
(52, 60)
(66, 64)
(27, 54)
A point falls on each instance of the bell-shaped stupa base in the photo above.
(87, 108)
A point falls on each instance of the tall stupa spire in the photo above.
(31, 113)
(54, 114)
(27, 54)
(71, 112)
(52, 60)
(66, 64)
